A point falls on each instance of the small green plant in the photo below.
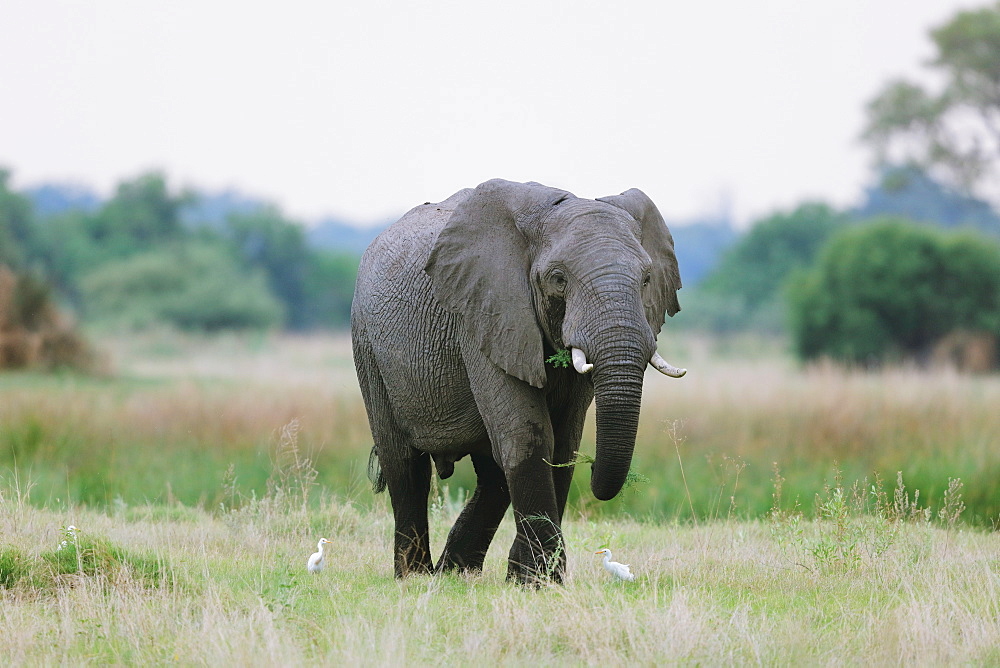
(232, 497)
(729, 468)
(904, 508)
(785, 525)
(552, 562)
(886, 526)
(444, 504)
(280, 589)
(953, 505)
(14, 567)
(838, 546)
(561, 359)
(95, 556)
(852, 523)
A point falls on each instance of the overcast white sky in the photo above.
(364, 109)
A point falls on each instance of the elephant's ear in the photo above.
(657, 241)
(479, 268)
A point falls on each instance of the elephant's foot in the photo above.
(530, 564)
(533, 576)
(405, 567)
(413, 556)
(470, 538)
(468, 542)
(460, 560)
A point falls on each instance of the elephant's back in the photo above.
(392, 267)
(409, 240)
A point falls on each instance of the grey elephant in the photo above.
(456, 309)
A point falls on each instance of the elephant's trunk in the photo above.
(618, 395)
(608, 325)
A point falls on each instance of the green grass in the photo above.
(235, 591)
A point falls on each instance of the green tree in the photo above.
(892, 289)
(141, 214)
(192, 286)
(16, 223)
(267, 241)
(955, 131)
(970, 289)
(329, 288)
(67, 252)
(748, 281)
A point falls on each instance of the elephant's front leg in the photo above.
(539, 552)
(569, 412)
(470, 537)
(517, 421)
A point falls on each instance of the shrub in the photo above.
(33, 332)
(744, 290)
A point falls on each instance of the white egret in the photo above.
(619, 571)
(315, 564)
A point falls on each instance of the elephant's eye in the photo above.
(558, 280)
(645, 280)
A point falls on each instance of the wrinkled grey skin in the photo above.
(457, 306)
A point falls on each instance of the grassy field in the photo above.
(773, 526)
(196, 588)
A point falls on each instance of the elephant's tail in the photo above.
(375, 473)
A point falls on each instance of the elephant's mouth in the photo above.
(556, 313)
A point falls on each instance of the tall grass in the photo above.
(170, 428)
(737, 419)
(185, 420)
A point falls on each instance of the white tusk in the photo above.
(665, 367)
(580, 361)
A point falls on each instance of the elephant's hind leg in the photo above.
(406, 471)
(470, 537)
(409, 483)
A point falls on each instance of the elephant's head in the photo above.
(525, 264)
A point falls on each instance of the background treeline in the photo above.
(910, 274)
(150, 256)
(913, 263)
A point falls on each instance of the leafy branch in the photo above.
(632, 478)
(562, 358)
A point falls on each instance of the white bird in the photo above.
(315, 564)
(619, 571)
